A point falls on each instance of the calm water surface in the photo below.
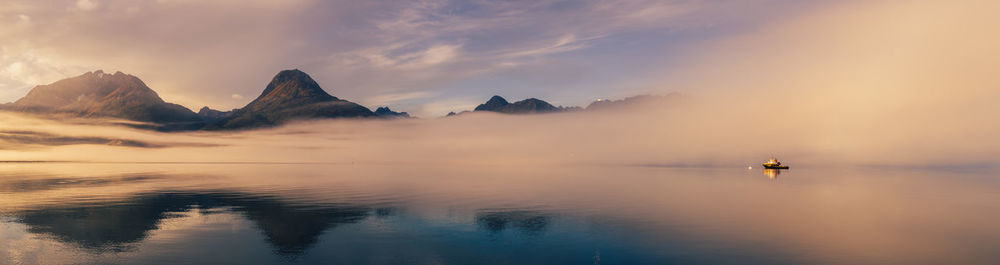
(71, 213)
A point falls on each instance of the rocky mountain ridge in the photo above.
(291, 95)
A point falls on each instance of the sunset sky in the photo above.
(426, 57)
(891, 82)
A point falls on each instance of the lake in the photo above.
(372, 213)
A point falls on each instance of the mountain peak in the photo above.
(292, 94)
(531, 105)
(291, 74)
(96, 93)
(388, 113)
(293, 83)
(497, 100)
(494, 104)
(101, 74)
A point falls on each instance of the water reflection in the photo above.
(29, 185)
(364, 214)
(114, 226)
(528, 222)
(772, 173)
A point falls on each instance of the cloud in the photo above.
(86, 5)
(865, 80)
(236, 96)
(393, 58)
(23, 69)
(563, 43)
(388, 99)
(858, 87)
(357, 50)
(23, 20)
(439, 108)
(438, 54)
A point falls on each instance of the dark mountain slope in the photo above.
(527, 106)
(97, 94)
(291, 95)
(385, 112)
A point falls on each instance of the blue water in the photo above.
(79, 213)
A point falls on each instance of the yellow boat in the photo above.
(773, 164)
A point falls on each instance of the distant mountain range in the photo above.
(538, 106)
(527, 106)
(291, 95)
(388, 113)
(634, 102)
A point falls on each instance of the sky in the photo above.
(911, 82)
(426, 57)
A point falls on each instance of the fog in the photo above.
(890, 83)
(893, 82)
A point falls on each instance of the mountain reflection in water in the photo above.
(290, 229)
(67, 213)
(528, 222)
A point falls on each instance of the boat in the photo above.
(773, 164)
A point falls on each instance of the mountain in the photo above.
(527, 106)
(212, 116)
(496, 103)
(385, 112)
(634, 102)
(291, 95)
(98, 94)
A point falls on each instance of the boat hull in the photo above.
(775, 167)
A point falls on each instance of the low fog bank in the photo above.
(859, 83)
(682, 135)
